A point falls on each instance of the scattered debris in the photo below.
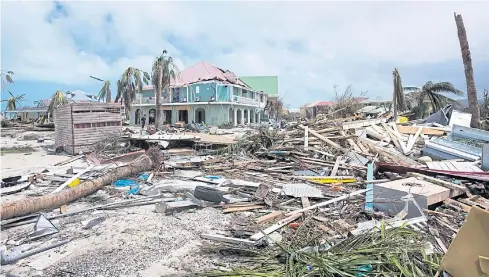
(302, 199)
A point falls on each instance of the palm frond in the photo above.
(411, 89)
(439, 101)
(9, 79)
(98, 79)
(445, 87)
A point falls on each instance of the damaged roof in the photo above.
(204, 71)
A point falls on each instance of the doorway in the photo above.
(152, 116)
(137, 117)
(183, 116)
(199, 115)
(167, 117)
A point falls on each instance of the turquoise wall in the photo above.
(208, 90)
(223, 93)
(148, 93)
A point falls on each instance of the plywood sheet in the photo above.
(426, 130)
(467, 255)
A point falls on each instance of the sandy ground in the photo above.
(133, 241)
(25, 163)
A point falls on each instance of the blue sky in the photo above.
(311, 46)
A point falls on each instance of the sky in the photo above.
(311, 46)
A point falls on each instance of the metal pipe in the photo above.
(5, 260)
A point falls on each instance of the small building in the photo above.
(40, 108)
(79, 126)
(202, 93)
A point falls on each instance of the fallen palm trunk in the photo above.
(51, 201)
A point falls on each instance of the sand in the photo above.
(133, 241)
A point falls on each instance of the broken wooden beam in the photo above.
(221, 238)
(269, 217)
(341, 198)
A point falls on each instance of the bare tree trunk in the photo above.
(108, 98)
(52, 201)
(394, 98)
(158, 118)
(469, 72)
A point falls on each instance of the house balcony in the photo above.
(249, 101)
(150, 100)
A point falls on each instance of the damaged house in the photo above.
(203, 93)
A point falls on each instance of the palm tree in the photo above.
(274, 107)
(163, 71)
(13, 101)
(469, 72)
(105, 92)
(432, 91)
(6, 78)
(131, 82)
(58, 99)
(398, 101)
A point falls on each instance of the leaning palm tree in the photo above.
(6, 78)
(469, 72)
(105, 92)
(58, 99)
(13, 101)
(432, 92)
(131, 82)
(163, 71)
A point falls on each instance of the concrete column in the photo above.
(235, 118)
(242, 116)
(231, 93)
(249, 113)
(259, 114)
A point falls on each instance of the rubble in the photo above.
(341, 196)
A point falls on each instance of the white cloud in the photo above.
(341, 43)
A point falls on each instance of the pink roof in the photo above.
(204, 71)
(325, 103)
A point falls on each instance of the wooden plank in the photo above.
(413, 130)
(442, 246)
(399, 136)
(466, 208)
(412, 140)
(319, 136)
(341, 198)
(336, 165)
(275, 227)
(221, 238)
(305, 202)
(362, 123)
(354, 145)
(362, 147)
(440, 182)
(269, 217)
(65, 184)
(392, 136)
(242, 209)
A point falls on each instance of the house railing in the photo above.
(247, 101)
(150, 100)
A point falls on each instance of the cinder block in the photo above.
(387, 196)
